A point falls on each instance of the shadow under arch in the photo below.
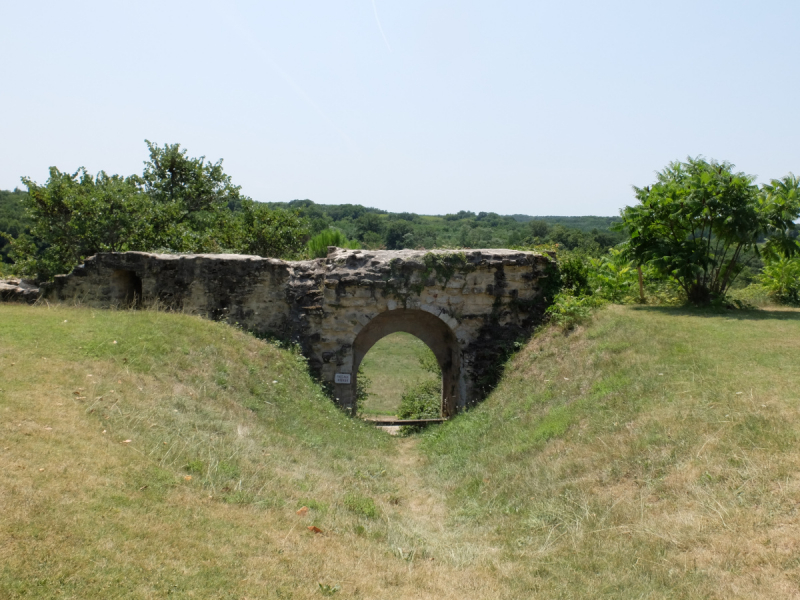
(434, 332)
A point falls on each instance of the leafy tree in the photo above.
(698, 219)
(76, 215)
(191, 199)
(179, 203)
(397, 235)
(266, 232)
(539, 229)
(13, 220)
(368, 223)
(779, 202)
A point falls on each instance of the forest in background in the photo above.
(375, 228)
(699, 231)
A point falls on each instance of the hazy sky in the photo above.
(541, 108)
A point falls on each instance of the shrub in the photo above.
(361, 505)
(700, 219)
(318, 245)
(422, 400)
(575, 275)
(567, 310)
(612, 277)
(363, 384)
(781, 279)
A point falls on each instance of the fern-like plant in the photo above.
(318, 245)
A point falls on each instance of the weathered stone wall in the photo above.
(469, 307)
(15, 290)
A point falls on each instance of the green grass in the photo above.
(652, 454)
(391, 365)
(649, 454)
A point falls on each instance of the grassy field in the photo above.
(651, 454)
(390, 364)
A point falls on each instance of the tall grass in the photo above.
(318, 245)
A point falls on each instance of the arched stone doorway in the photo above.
(434, 332)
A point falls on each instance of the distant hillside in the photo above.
(586, 224)
(376, 228)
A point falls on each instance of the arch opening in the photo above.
(126, 288)
(399, 378)
(432, 331)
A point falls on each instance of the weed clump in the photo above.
(361, 505)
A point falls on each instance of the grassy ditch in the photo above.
(651, 453)
(148, 454)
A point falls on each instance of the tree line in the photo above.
(701, 229)
(177, 204)
(184, 204)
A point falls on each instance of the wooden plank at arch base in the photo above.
(388, 421)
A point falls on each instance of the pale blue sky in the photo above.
(542, 108)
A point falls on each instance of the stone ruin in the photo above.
(469, 307)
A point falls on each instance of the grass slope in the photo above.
(652, 454)
(147, 454)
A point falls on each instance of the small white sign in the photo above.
(342, 378)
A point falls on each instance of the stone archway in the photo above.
(469, 307)
(434, 332)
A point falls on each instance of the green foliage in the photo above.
(781, 279)
(445, 265)
(363, 383)
(753, 295)
(376, 228)
(361, 505)
(13, 220)
(399, 235)
(196, 467)
(266, 232)
(192, 199)
(328, 590)
(568, 311)
(422, 400)
(178, 204)
(611, 276)
(317, 246)
(76, 215)
(697, 220)
(427, 360)
(575, 275)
